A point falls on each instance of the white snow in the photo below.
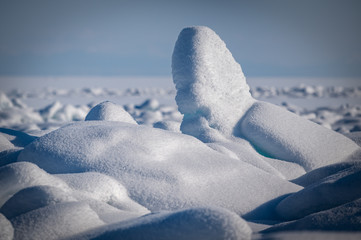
(108, 111)
(188, 224)
(6, 229)
(141, 168)
(102, 188)
(284, 135)
(334, 190)
(162, 170)
(210, 83)
(342, 218)
(57, 221)
(17, 176)
(35, 197)
(169, 125)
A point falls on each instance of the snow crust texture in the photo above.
(106, 171)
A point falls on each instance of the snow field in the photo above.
(147, 171)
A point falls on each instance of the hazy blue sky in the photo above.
(268, 38)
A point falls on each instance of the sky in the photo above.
(309, 38)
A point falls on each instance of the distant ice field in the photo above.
(40, 91)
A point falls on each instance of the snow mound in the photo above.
(168, 125)
(210, 83)
(5, 144)
(149, 104)
(214, 97)
(355, 136)
(17, 176)
(157, 172)
(286, 136)
(332, 191)
(346, 217)
(17, 138)
(58, 221)
(108, 111)
(195, 223)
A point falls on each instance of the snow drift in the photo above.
(158, 173)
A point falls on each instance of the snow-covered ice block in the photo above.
(332, 191)
(161, 170)
(108, 111)
(188, 224)
(6, 228)
(57, 221)
(102, 188)
(16, 176)
(346, 217)
(32, 198)
(286, 136)
(210, 83)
